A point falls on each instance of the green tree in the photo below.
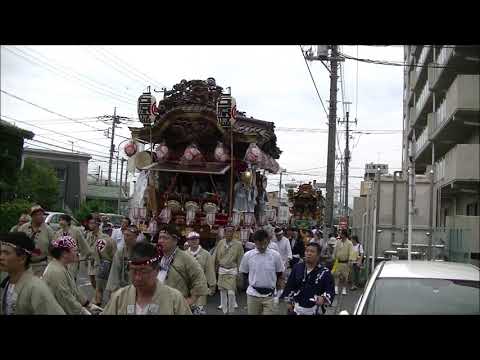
(38, 183)
(92, 206)
(11, 211)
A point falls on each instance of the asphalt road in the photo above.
(341, 302)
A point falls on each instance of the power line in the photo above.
(45, 109)
(83, 119)
(46, 148)
(317, 168)
(69, 76)
(56, 132)
(313, 80)
(90, 151)
(53, 112)
(358, 131)
(81, 131)
(392, 63)
(133, 69)
(93, 81)
(57, 146)
(113, 64)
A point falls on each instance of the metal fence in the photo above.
(448, 244)
(452, 244)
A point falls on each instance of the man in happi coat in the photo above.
(227, 256)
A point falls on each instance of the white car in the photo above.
(52, 219)
(404, 287)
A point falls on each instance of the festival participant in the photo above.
(66, 229)
(146, 295)
(103, 248)
(341, 255)
(178, 269)
(206, 261)
(227, 256)
(119, 275)
(264, 268)
(60, 280)
(42, 236)
(310, 286)
(24, 218)
(21, 292)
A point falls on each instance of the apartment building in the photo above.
(441, 124)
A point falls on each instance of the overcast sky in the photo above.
(270, 83)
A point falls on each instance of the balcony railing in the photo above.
(412, 80)
(422, 58)
(463, 94)
(422, 99)
(459, 164)
(440, 170)
(441, 115)
(444, 55)
(411, 115)
(422, 140)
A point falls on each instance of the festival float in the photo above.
(307, 206)
(204, 165)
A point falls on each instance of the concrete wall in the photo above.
(463, 200)
(475, 137)
(359, 208)
(398, 232)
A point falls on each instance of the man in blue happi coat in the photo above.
(310, 286)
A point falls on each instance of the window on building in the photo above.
(61, 172)
(472, 209)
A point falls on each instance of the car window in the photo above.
(55, 219)
(116, 220)
(395, 296)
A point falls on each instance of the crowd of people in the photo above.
(167, 273)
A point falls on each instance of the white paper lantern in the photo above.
(236, 218)
(130, 148)
(249, 219)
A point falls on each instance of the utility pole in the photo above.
(112, 146)
(120, 189)
(411, 186)
(332, 130)
(280, 185)
(116, 174)
(340, 197)
(116, 120)
(347, 157)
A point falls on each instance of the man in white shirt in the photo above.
(271, 244)
(117, 234)
(265, 268)
(285, 250)
(284, 247)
